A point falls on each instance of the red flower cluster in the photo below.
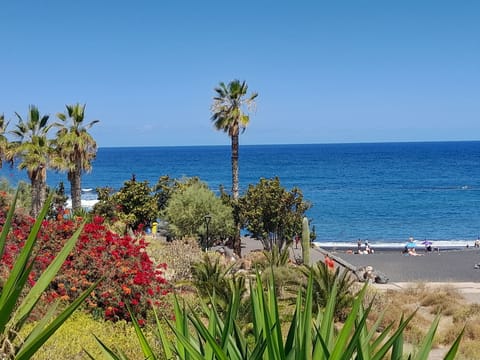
(129, 275)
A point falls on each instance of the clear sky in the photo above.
(325, 71)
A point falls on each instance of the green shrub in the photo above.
(286, 281)
(277, 257)
(186, 210)
(212, 277)
(130, 277)
(75, 336)
(307, 337)
(18, 299)
(323, 282)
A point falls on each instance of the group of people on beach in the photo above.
(366, 250)
(410, 247)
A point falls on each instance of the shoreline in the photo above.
(449, 265)
(445, 265)
(442, 245)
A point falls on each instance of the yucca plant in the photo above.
(308, 337)
(276, 256)
(16, 308)
(323, 281)
(211, 276)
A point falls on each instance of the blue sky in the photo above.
(326, 72)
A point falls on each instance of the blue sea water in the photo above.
(384, 192)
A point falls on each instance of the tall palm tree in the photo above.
(34, 151)
(230, 115)
(76, 148)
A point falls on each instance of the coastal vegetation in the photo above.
(214, 290)
(177, 298)
(36, 151)
(22, 288)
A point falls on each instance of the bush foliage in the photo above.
(188, 206)
(271, 213)
(75, 337)
(130, 276)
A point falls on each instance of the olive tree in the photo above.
(271, 213)
(187, 208)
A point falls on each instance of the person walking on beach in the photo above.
(359, 245)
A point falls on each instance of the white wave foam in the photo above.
(86, 204)
(442, 244)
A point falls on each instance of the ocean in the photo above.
(383, 192)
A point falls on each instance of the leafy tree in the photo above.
(58, 201)
(166, 186)
(271, 213)
(188, 206)
(163, 190)
(136, 203)
(76, 148)
(35, 153)
(105, 207)
(230, 115)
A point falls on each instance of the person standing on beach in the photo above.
(359, 245)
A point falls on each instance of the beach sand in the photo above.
(444, 266)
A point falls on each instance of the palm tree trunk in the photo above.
(35, 210)
(75, 189)
(237, 241)
(38, 179)
(235, 167)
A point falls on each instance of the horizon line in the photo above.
(296, 144)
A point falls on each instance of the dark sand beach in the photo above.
(443, 266)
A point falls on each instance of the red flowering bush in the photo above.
(130, 277)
